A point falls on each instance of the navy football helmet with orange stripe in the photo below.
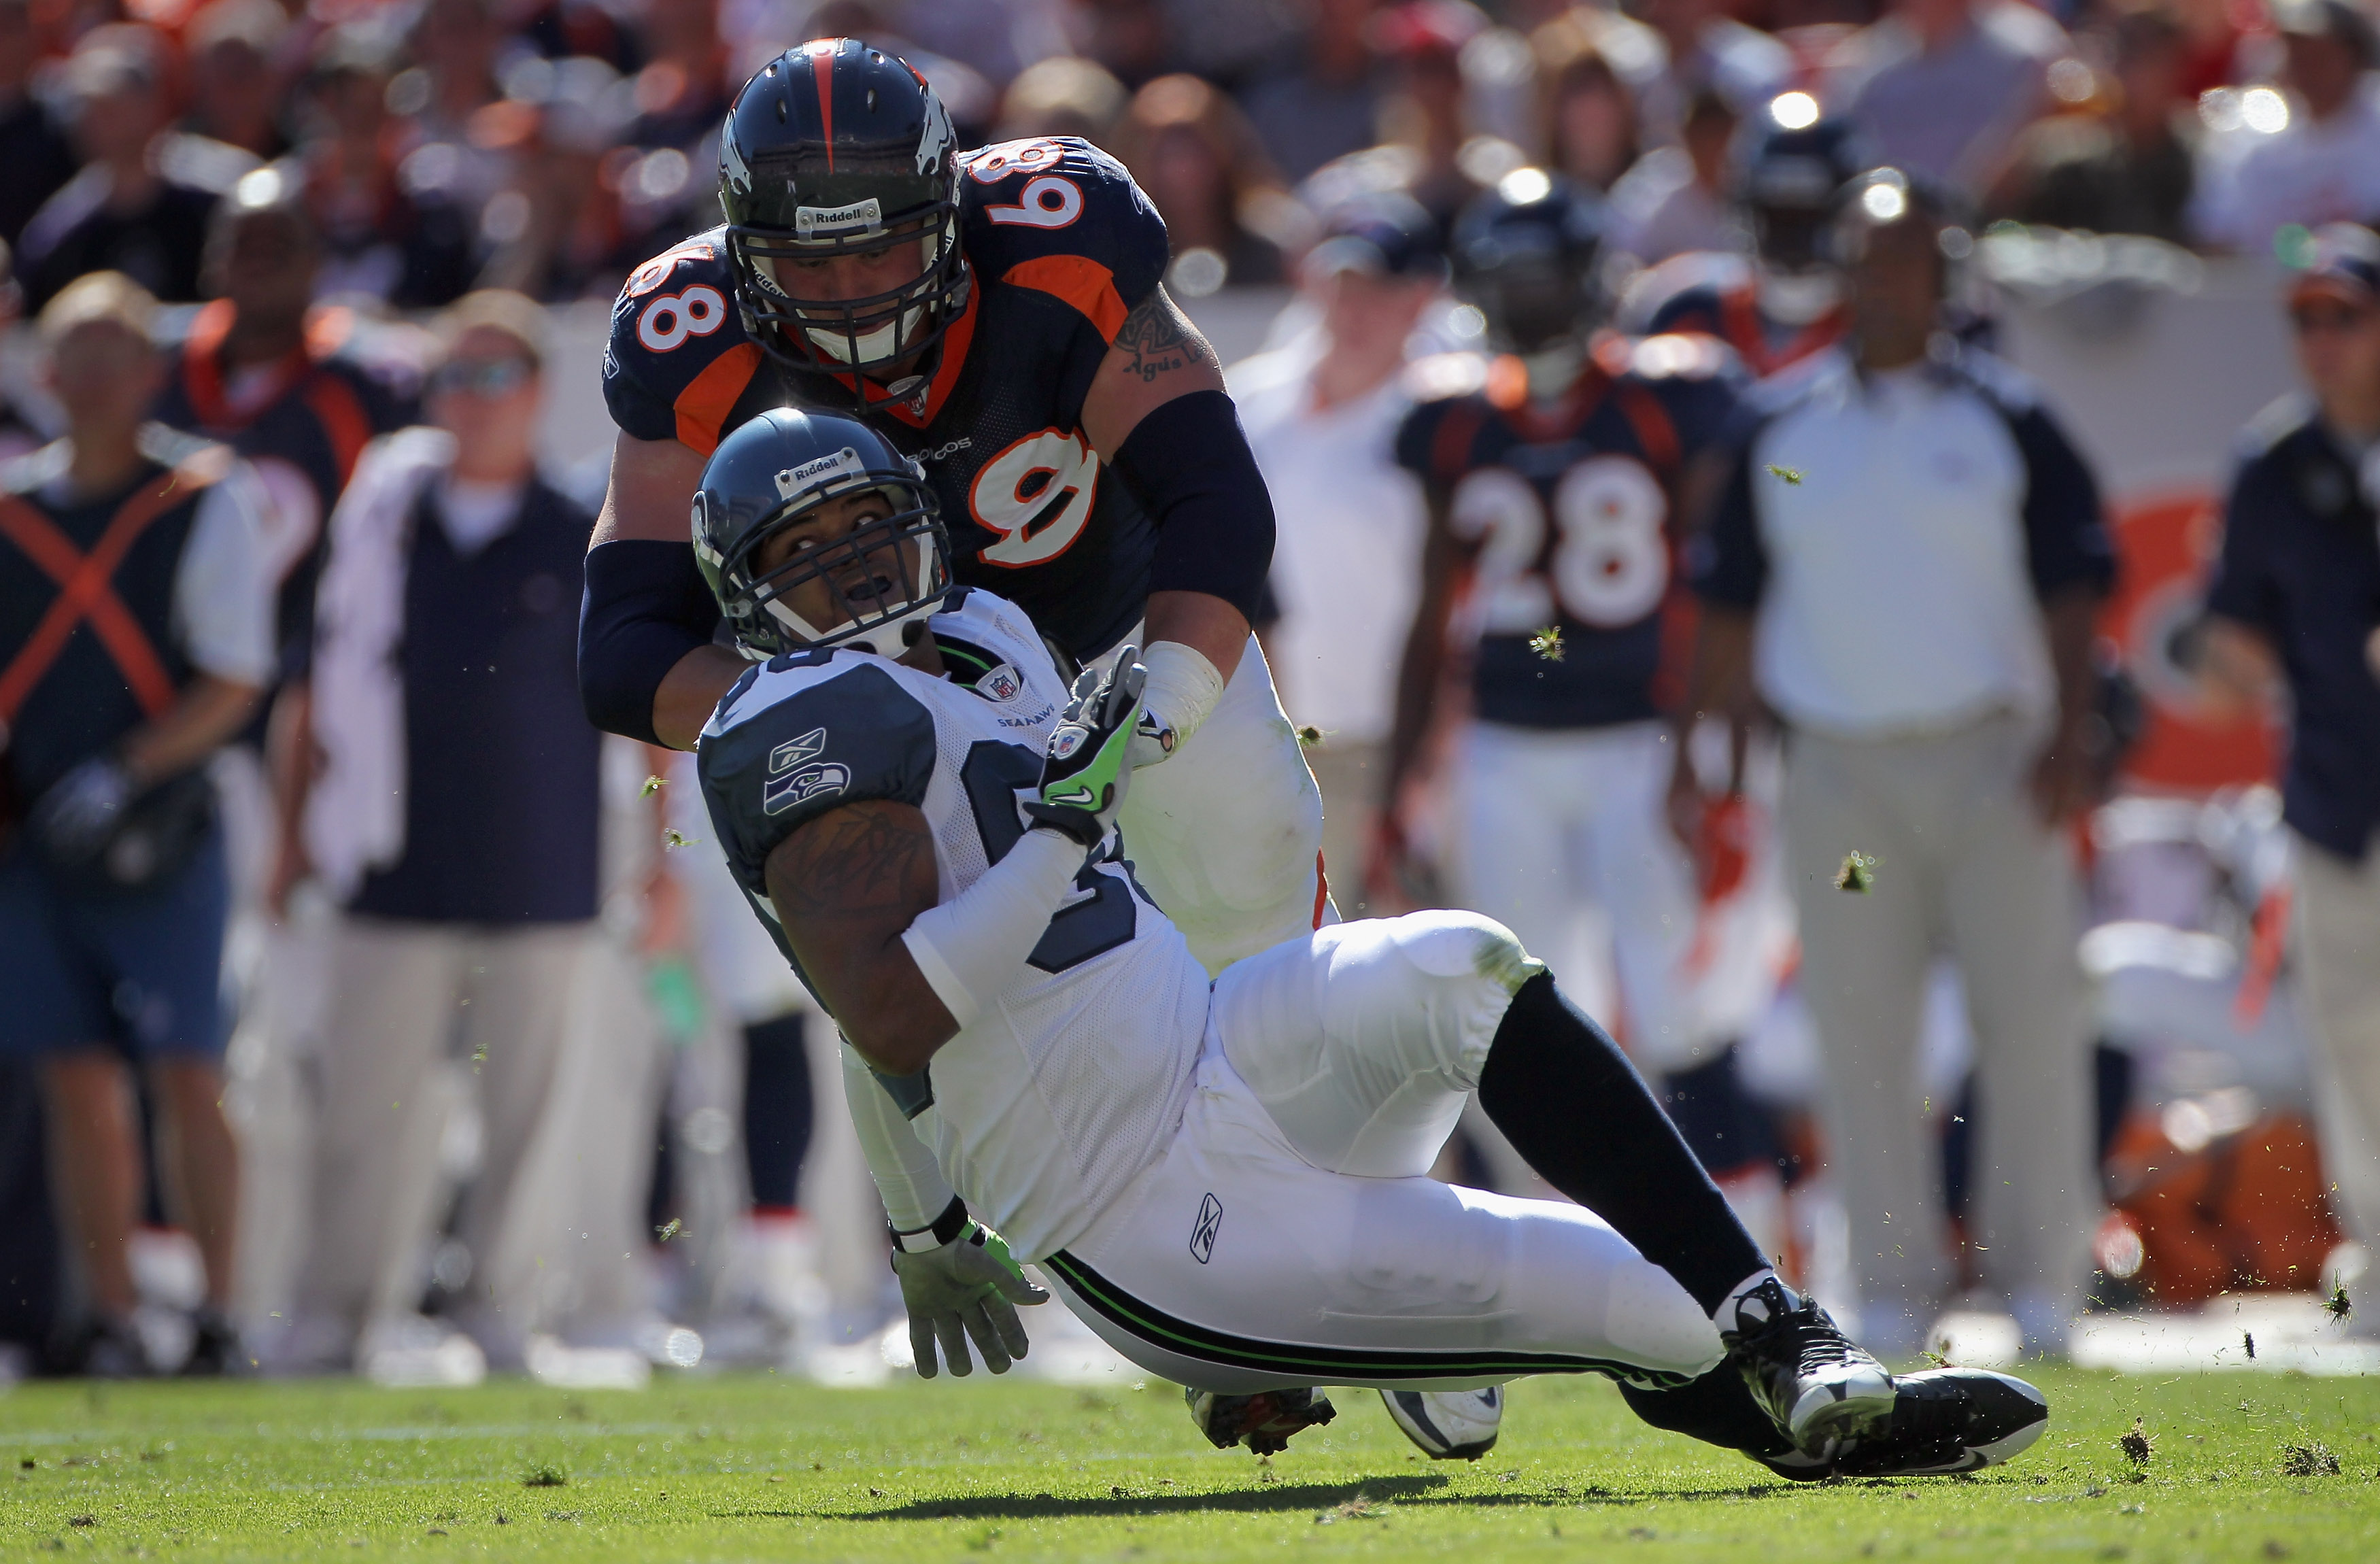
(834, 148)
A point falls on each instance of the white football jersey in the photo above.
(1074, 1077)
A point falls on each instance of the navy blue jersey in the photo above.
(1062, 245)
(1569, 508)
(1729, 311)
(2300, 564)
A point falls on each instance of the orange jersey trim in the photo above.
(1086, 285)
(702, 407)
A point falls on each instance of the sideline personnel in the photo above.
(136, 611)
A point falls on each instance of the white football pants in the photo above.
(1551, 822)
(1289, 1236)
(1226, 833)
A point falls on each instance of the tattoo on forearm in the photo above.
(865, 858)
(1158, 339)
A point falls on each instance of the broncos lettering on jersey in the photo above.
(1037, 1120)
(1569, 508)
(1060, 245)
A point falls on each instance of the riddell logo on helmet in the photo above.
(793, 480)
(812, 222)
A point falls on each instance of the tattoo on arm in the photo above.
(1158, 337)
(859, 866)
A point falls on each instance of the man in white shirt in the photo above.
(1905, 561)
(2322, 164)
(1347, 554)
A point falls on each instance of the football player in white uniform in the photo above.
(1223, 1180)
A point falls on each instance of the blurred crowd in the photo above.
(496, 1013)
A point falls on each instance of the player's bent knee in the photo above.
(1446, 943)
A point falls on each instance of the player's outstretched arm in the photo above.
(846, 886)
(647, 667)
(1158, 414)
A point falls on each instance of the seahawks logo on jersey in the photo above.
(787, 786)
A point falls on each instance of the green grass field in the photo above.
(758, 1467)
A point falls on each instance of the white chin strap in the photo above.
(1796, 298)
(874, 345)
(888, 639)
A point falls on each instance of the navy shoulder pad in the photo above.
(807, 735)
(1435, 440)
(1058, 214)
(678, 357)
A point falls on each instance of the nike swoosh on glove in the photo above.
(1087, 763)
(970, 1286)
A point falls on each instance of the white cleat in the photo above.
(1448, 1424)
(1825, 1392)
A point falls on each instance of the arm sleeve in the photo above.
(971, 947)
(908, 1180)
(2066, 537)
(2242, 587)
(645, 606)
(223, 590)
(1188, 463)
(1725, 562)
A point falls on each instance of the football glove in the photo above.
(74, 818)
(1180, 693)
(968, 1286)
(1087, 762)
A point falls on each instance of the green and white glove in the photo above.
(1087, 762)
(968, 1286)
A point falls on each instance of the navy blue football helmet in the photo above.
(1528, 254)
(769, 476)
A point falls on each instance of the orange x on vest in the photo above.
(87, 591)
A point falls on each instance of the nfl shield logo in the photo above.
(1002, 684)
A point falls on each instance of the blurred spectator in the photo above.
(264, 372)
(1192, 151)
(1674, 201)
(682, 94)
(1423, 110)
(1943, 87)
(1323, 421)
(2292, 603)
(36, 156)
(17, 436)
(234, 85)
(1327, 103)
(563, 229)
(1906, 560)
(1000, 38)
(1062, 96)
(436, 102)
(113, 890)
(121, 212)
(1586, 108)
(1131, 38)
(1708, 50)
(2320, 164)
(2127, 169)
(381, 240)
(581, 28)
(455, 822)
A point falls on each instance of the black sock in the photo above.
(777, 1111)
(1716, 1409)
(1579, 1114)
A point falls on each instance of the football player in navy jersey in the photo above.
(1785, 302)
(997, 315)
(1554, 474)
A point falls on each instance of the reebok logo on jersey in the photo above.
(1202, 1232)
(842, 464)
(811, 221)
(794, 751)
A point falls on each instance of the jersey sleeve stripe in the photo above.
(704, 404)
(1081, 282)
(1655, 432)
(335, 404)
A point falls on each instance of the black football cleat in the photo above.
(1823, 1390)
(1264, 1420)
(1945, 1421)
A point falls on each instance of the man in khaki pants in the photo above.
(1905, 559)
(455, 821)
(2297, 595)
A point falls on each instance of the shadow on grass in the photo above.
(1274, 1498)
